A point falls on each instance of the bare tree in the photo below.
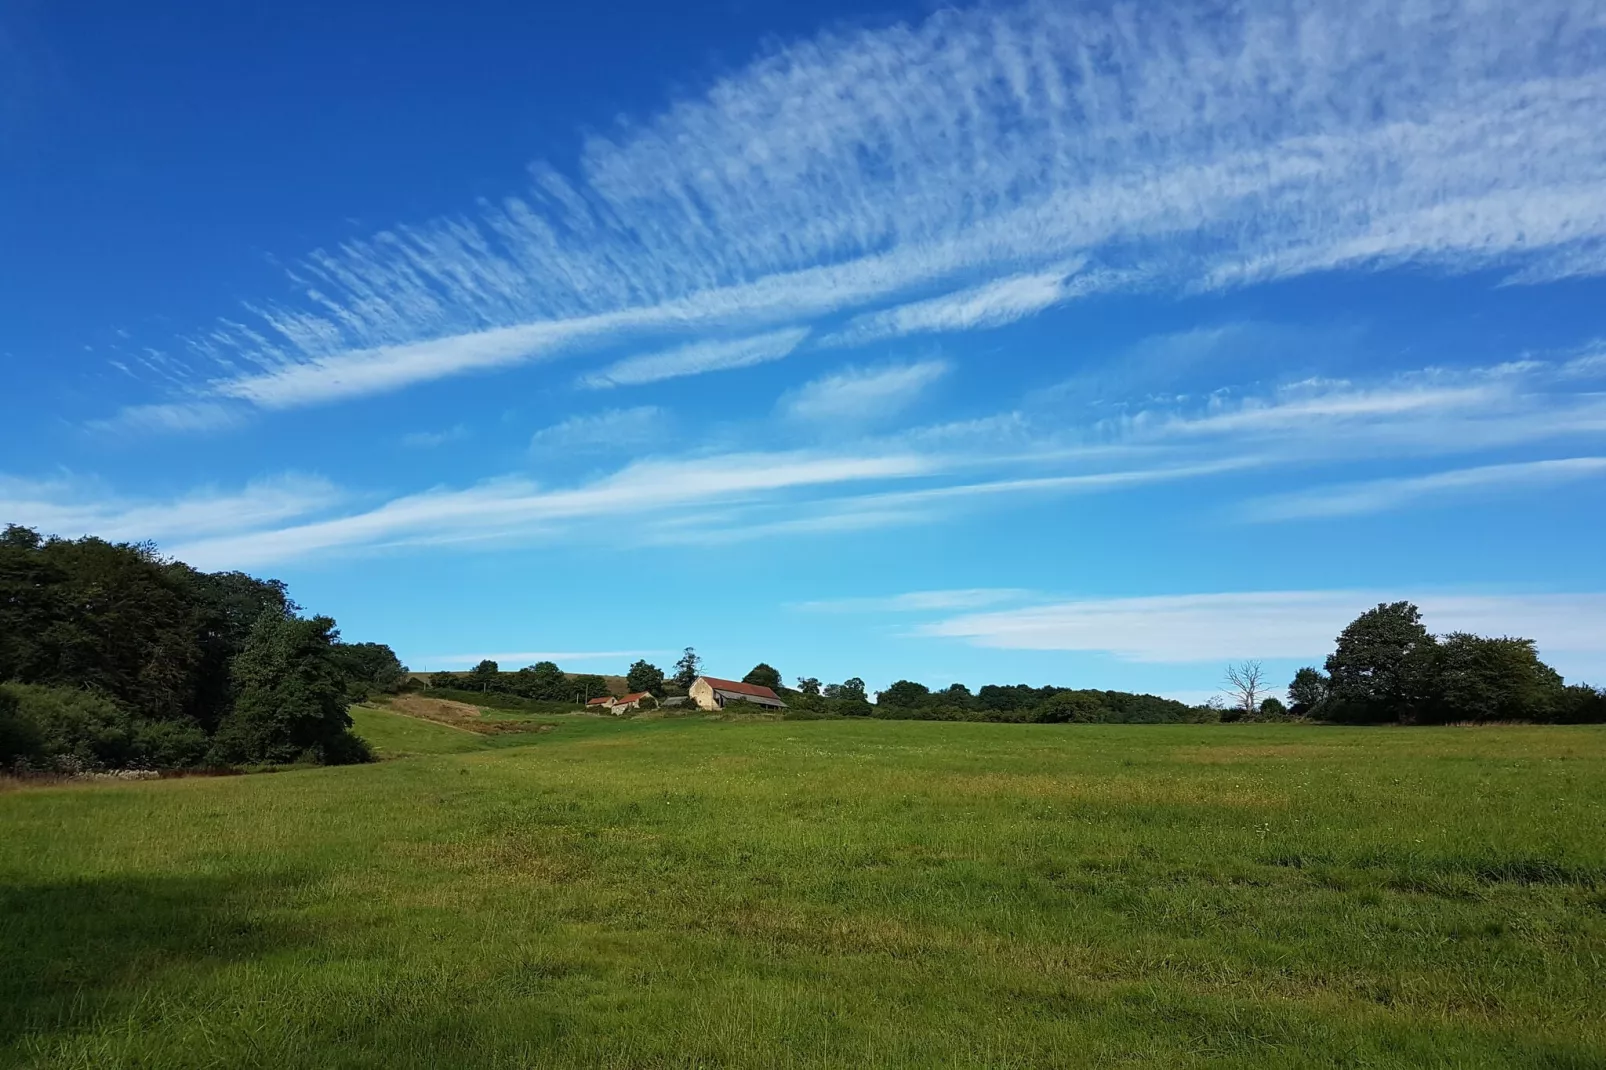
(1246, 682)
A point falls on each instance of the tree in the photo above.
(904, 694)
(291, 701)
(1581, 704)
(851, 689)
(1306, 691)
(546, 681)
(370, 667)
(1246, 683)
(484, 674)
(688, 668)
(1072, 707)
(587, 686)
(1383, 665)
(1484, 679)
(808, 685)
(762, 675)
(645, 677)
(1272, 708)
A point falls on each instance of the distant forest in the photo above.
(114, 657)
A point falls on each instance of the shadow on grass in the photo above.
(77, 951)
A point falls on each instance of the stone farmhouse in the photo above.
(621, 704)
(712, 693)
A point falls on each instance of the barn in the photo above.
(712, 693)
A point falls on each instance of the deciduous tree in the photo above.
(762, 675)
(644, 676)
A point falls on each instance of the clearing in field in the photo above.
(687, 892)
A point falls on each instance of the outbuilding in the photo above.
(712, 693)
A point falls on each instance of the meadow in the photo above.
(691, 892)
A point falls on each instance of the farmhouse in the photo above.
(617, 706)
(712, 693)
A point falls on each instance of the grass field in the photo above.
(828, 893)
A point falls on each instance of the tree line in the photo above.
(1386, 667)
(112, 656)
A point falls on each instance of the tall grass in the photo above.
(685, 892)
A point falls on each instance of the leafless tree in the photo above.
(1246, 682)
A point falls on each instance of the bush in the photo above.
(1272, 709)
(20, 738)
(70, 728)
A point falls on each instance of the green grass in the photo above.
(686, 892)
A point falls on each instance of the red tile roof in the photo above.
(756, 690)
(605, 700)
(637, 697)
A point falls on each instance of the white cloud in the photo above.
(178, 416)
(698, 358)
(1435, 411)
(991, 305)
(1197, 147)
(71, 508)
(613, 427)
(1269, 624)
(921, 601)
(863, 393)
(515, 507)
(1379, 495)
(431, 439)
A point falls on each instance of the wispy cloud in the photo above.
(1379, 495)
(1428, 412)
(855, 394)
(975, 151)
(431, 439)
(921, 601)
(991, 305)
(613, 427)
(177, 416)
(1268, 624)
(698, 358)
(71, 508)
(516, 507)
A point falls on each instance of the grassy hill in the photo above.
(689, 892)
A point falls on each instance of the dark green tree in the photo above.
(851, 689)
(547, 681)
(1382, 669)
(904, 694)
(1306, 691)
(1272, 709)
(644, 676)
(290, 700)
(485, 674)
(762, 675)
(1485, 679)
(371, 668)
(808, 685)
(587, 686)
(1072, 707)
(688, 668)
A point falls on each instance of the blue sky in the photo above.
(1090, 344)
